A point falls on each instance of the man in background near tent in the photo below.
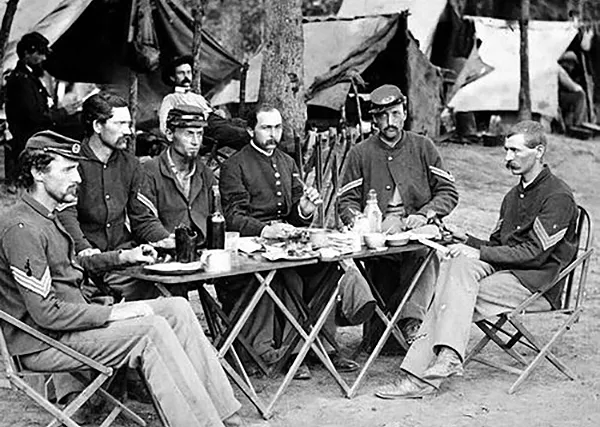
(571, 95)
(263, 195)
(41, 285)
(178, 74)
(412, 185)
(108, 195)
(29, 105)
(533, 241)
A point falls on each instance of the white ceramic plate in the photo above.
(174, 267)
(398, 239)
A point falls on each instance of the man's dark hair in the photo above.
(168, 72)
(32, 159)
(99, 107)
(252, 118)
(31, 43)
(532, 131)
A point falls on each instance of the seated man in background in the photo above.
(41, 285)
(107, 214)
(571, 96)
(411, 183)
(532, 242)
(179, 75)
(263, 195)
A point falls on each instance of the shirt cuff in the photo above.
(305, 217)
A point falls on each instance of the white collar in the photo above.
(260, 150)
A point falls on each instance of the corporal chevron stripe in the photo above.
(64, 206)
(146, 202)
(547, 240)
(38, 286)
(498, 225)
(441, 173)
(352, 184)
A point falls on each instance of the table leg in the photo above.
(389, 326)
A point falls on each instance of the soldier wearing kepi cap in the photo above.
(412, 184)
(42, 285)
(178, 183)
(29, 106)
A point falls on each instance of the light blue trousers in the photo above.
(175, 356)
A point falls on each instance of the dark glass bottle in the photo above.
(215, 223)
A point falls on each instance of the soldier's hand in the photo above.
(309, 201)
(415, 221)
(142, 254)
(166, 243)
(130, 310)
(460, 249)
(88, 252)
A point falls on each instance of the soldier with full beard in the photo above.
(108, 195)
(178, 184)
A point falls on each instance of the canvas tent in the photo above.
(422, 22)
(499, 90)
(101, 40)
(379, 48)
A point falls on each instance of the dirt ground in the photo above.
(478, 399)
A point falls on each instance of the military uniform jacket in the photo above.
(27, 109)
(163, 195)
(535, 235)
(257, 189)
(107, 197)
(40, 277)
(413, 164)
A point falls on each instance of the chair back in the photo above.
(576, 272)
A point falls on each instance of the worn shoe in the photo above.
(303, 373)
(408, 387)
(343, 364)
(447, 364)
(410, 329)
(87, 413)
(234, 421)
(274, 355)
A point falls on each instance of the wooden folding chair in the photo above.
(16, 374)
(574, 277)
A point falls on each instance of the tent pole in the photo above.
(133, 105)
(197, 45)
(525, 88)
(243, 77)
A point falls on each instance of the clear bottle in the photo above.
(373, 213)
(215, 223)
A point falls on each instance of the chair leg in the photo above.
(544, 352)
(40, 400)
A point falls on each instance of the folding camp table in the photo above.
(264, 272)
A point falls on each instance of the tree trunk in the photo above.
(230, 33)
(196, 46)
(524, 90)
(282, 73)
(7, 20)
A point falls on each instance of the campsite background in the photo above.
(480, 399)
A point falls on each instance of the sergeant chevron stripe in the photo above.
(146, 202)
(352, 184)
(441, 173)
(547, 240)
(64, 206)
(38, 286)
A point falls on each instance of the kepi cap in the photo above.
(34, 42)
(52, 142)
(384, 97)
(569, 56)
(186, 116)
